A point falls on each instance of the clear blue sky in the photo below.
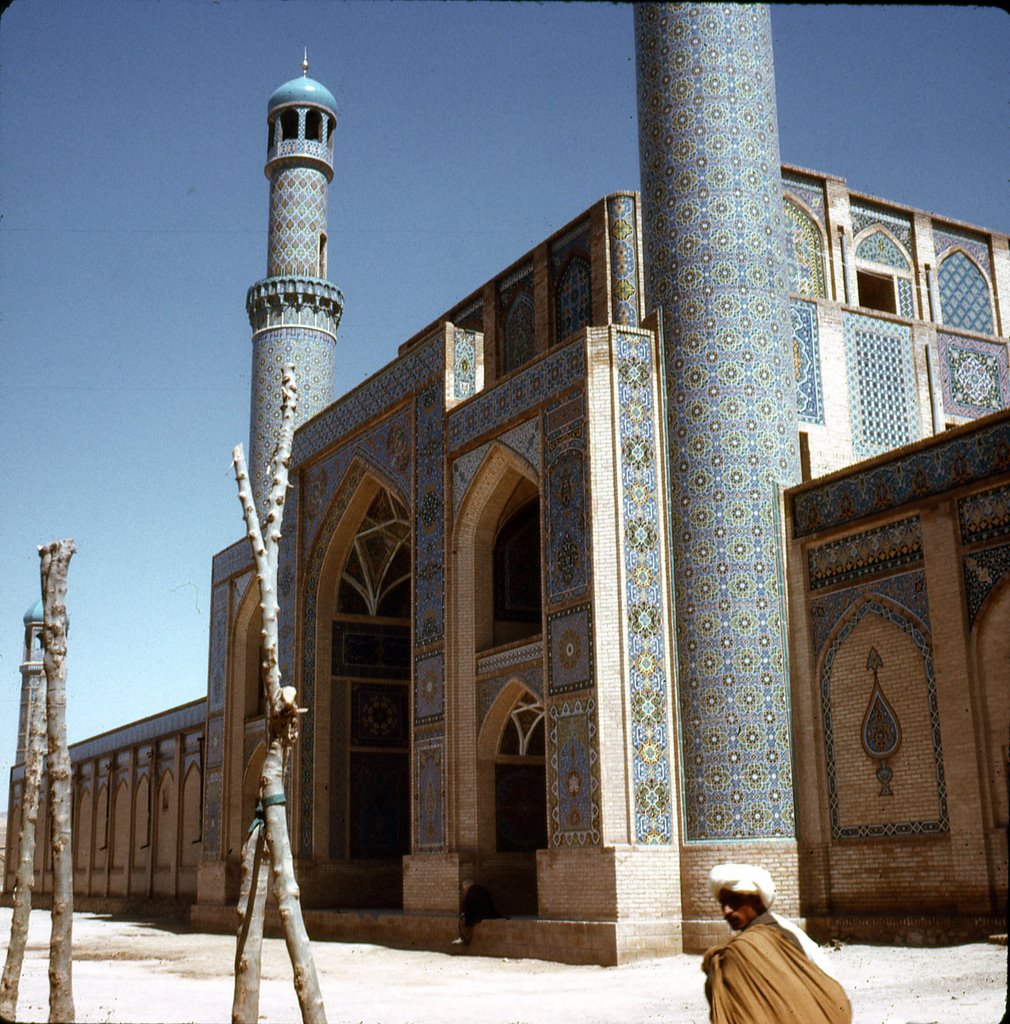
(134, 214)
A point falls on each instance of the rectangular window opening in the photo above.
(876, 291)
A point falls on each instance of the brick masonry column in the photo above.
(715, 263)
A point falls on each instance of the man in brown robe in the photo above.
(768, 972)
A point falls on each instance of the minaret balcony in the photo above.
(301, 150)
(294, 302)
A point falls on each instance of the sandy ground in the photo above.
(126, 971)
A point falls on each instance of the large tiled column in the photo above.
(715, 263)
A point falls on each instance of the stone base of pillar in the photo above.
(218, 882)
(433, 882)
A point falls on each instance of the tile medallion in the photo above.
(974, 377)
(464, 353)
(429, 688)
(570, 650)
(574, 774)
(715, 250)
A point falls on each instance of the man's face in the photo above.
(739, 909)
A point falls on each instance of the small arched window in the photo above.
(289, 124)
(313, 125)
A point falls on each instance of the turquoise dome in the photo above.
(303, 90)
(35, 613)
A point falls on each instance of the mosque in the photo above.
(685, 538)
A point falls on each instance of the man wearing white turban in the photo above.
(770, 971)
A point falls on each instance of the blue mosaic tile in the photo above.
(464, 352)
(429, 793)
(865, 215)
(566, 533)
(429, 513)
(715, 250)
(524, 440)
(622, 231)
(876, 247)
(518, 341)
(964, 294)
(571, 261)
(976, 246)
(234, 558)
(906, 306)
(429, 689)
(809, 190)
(984, 515)
(570, 650)
(511, 399)
(983, 572)
(218, 646)
(974, 377)
(875, 551)
(930, 826)
(574, 774)
(805, 248)
(644, 595)
(806, 362)
(959, 461)
(882, 401)
(488, 689)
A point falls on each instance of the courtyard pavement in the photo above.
(129, 971)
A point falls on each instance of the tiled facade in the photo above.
(675, 722)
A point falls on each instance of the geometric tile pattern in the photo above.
(556, 372)
(429, 792)
(532, 677)
(429, 515)
(570, 650)
(877, 247)
(885, 548)
(964, 294)
(574, 774)
(570, 269)
(232, 559)
(311, 352)
(524, 440)
(218, 646)
(429, 689)
(974, 376)
(864, 215)
(716, 262)
(810, 190)
(956, 462)
(391, 384)
(983, 572)
(623, 260)
(976, 246)
(906, 590)
(644, 597)
(566, 541)
(882, 402)
(905, 306)
(297, 219)
(524, 654)
(806, 361)
(931, 826)
(805, 250)
(515, 310)
(470, 317)
(984, 515)
(464, 363)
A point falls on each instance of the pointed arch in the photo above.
(573, 297)
(166, 822)
(120, 844)
(965, 292)
(804, 248)
(192, 839)
(879, 245)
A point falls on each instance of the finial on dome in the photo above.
(305, 63)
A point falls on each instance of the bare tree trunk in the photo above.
(282, 722)
(252, 902)
(55, 563)
(25, 879)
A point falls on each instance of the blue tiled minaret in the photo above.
(715, 259)
(294, 311)
(32, 674)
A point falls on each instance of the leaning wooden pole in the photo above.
(282, 729)
(24, 880)
(55, 563)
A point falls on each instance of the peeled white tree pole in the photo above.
(24, 880)
(252, 901)
(55, 563)
(282, 731)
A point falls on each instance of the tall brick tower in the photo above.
(715, 259)
(294, 311)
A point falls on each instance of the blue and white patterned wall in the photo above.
(715, 244)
